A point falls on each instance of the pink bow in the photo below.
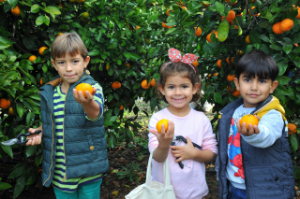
(175, 56)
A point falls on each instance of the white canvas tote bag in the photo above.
(154, 190)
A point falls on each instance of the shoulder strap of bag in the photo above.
(167, 179)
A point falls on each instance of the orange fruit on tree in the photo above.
(230, 78)
(231, 16)
(137, 27)
(168, 12)
(231, 3)
(159, 123)
(1, 1)
(236, 93)
(296, 45)
(247, 39)
(249, 119)
(80, 1)
(198, 31)
(276, 28)
(164, 25)
(116, 85)
(4, 103)
(286, 25)
(298, 16)
(195, 63)
(84, 87)
(16, 11)
(60, 5)
(41, 81)
(292, 128)
(228, 60)
(236, 27)
(144, 84)
(107, 67)
(152, 83)
(32, 58)
(10, 111)
(229, 88)
(208, 36)
(59, 34)
(215, 74)
(128, 65)
(219, 63)
(41, 50)
(121, 107)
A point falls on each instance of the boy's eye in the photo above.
(262, 81)
(75, 61)
(247, 80)
(61, 62)
(184, 86)
(171, 87)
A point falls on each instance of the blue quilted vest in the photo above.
(268, 171)
(84, 140)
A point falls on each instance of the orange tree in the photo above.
(127, 43)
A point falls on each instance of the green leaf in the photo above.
(38, 159)
(52, 10)
(32, 179)
(109, 97)
(254, 37)
(218, 97)
(287, 48)
(296, 38)
(94, 52)
(30, 118)
(223, 31)
(13, 3)
(46, 20)
(169, 31)
(17, 171)
(35, 8)
(21, 181)
(20, 109)
(131, 56)
(294, 143)
(45, 68)
(8, 150)
(4, 186)
(30, 150)
(153, 103)
(220, 7)
(283, 80)
(39, 21)
(264, 38)
(282, 67)
(275, 47)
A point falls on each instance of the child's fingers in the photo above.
(251, 130)
(154, 132)
(94, 91)
(244, 129)
(89, 96)
(75, 94)
(256, 129)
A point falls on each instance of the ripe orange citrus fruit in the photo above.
(137, 27)
(247, 39)
(215, 74)
(219, 63)
(4, 103)
(144, 84)
(121, 107)
(41, 50)
(208, 36)
(276, 28)
(296, 45)
(286, 25)
(231, 16)
(168, 12)
(152, 83)
(116, 85)
(198, 31)
(32, 58)
(298, 16)
(60, 5)
(107, 67)
(59, 34)
(236, 93)
(16, 11)
(159, 123)
(10, 111)
(230, 78)
(84, 87)
(292, 128)
(127, 64)
(195, 63)
(249, 119)
(1, 1)
(41, 81)
(80, 1)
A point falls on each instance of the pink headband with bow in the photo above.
(175, 56)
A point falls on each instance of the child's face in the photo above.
(254, 90)
(69, 68)
(178, 91)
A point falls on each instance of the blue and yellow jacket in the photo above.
(84, 140)
(268, 171)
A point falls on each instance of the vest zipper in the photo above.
(51, 145)
(65, 176)
(244, 166)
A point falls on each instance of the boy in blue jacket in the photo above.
(255, 163)
(74, 144)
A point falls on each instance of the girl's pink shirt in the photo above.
(189, 182)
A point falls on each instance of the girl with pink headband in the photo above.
(178, 85)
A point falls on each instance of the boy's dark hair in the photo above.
(68, 43)
(179, 68)
(257, 62)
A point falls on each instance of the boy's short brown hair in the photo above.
(68, 43)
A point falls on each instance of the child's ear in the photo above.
(273, 86)
(195, 88)
(87, 61)
(161, 89)
(236, 83)
(53, 64)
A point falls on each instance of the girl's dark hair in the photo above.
(259, 63)
(182, 69)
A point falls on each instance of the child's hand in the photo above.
(84, 100)
(184, 152)
(35, 139)
(243, 129)
(165, 138)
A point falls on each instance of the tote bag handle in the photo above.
(167, 179)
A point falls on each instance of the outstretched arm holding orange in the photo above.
(90, 106)
(164, 138)
(188, 151)
(247, 129)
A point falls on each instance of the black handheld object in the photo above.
(19, 137)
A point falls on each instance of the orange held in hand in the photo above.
(84, 87)
(159, 123)
(249, 119)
